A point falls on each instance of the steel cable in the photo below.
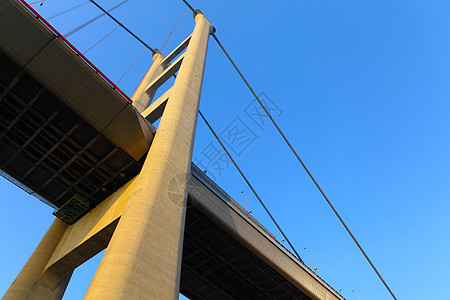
(67, 10)
(130, 66)
(129, 31)
(98, 42)
(36, 2)
(93, 19)
(173, 29)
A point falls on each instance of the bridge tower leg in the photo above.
(27, 284)
(143, 258)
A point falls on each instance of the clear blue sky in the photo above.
(363, 90)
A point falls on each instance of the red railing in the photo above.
(78, 53)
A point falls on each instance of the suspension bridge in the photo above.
(117, 181)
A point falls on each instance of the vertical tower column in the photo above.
(143, 259)
(26, 285)
(141, 99)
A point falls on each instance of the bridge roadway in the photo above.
(66, 131)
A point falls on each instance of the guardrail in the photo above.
(75, 50)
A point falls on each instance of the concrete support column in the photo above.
(141, 100)
(143, 259)
(26, 285)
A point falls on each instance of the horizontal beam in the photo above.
(156, 109)
(176, 52)
(161, 79)
(87, 237)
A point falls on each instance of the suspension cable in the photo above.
(67, 10)
(298, 158)
(249, 184)
(36, 2)
(130, 66)
(188, 5)
(129, 31)
(173, 29)
(93, 19)
(98, 42)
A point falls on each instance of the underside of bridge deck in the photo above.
(216, 266)
(49, 150)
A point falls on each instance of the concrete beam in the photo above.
(142, 96)
(171, 70)
(87, 237)
(176, 51)
(156, 109)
